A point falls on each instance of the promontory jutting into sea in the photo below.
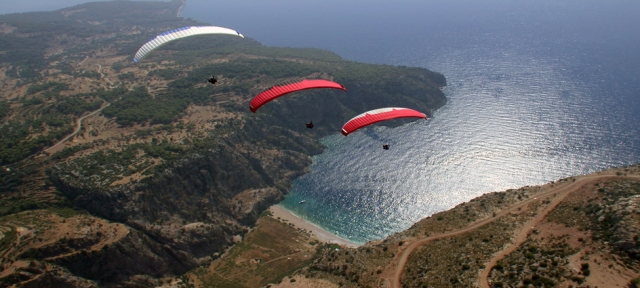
(536, 91)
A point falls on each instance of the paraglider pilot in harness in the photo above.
(310, 124)
(385, 146)
(212, 80)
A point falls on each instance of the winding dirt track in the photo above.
(79, 126)
(560, 191)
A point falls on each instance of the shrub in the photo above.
(577, 279)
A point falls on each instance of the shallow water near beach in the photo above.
(537, 91)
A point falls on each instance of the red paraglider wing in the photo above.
(378, 115)
(280, 90)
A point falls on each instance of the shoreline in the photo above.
(179, 13)
(322, 235)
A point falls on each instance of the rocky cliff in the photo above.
(173, 171)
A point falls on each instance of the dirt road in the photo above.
(559, 192)
(78, 126)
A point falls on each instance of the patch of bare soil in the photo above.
(269, 252)
(70, 12)
(302, 282)
(605, 270)
(563, 248)
(206, 117)
(464, 218)
(7, 29)
(9, 87)
(572, 235)
(529, 227)
(135, 176)
(244, 202)
(48, 235)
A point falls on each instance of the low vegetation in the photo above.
(539, 264)
(575, 245)
(270, 251)
(162, 111)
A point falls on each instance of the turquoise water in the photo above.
(538, 90)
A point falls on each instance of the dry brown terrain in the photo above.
(506, 239)
(54, 235)
(557, 194)
(469, 245)
(266, 254)
(301, 282)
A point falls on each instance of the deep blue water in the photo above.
(538, 90)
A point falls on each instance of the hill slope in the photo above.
(575, 232)
(121, 174)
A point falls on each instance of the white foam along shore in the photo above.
(321, 234)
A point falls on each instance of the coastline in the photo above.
(321, 234)
(179, 13)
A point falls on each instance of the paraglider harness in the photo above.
(212, 80)
(310, 125)
(385, 146)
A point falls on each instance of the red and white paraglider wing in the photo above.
(379, 115)
(281, 90)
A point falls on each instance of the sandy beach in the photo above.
(321, 234)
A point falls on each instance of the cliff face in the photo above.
(134, 254)
(180, 218)
(194, 208)
(221, 168)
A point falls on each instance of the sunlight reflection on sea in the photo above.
(537, 91)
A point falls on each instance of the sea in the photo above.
(537, 91)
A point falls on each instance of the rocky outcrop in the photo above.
(187, 213)
(183, 216)
(52, 276)
(178, 219)
(196, 189)
(625, 220)
(134, 254)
